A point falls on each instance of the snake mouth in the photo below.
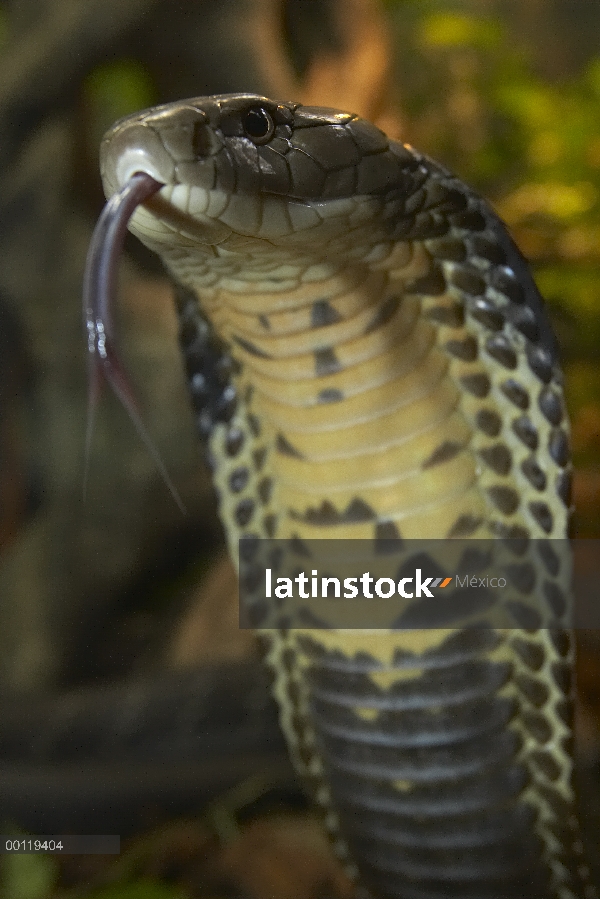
(175, 210)
(168, 213)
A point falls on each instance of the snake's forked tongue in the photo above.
(99, 287)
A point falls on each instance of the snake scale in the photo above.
(368, 357)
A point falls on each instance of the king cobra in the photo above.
(369, 358)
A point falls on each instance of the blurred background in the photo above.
(128, 696)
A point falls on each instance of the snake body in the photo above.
(369, 358)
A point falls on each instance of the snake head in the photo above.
(242, 166)
(233, 186)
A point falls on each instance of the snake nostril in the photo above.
(203, 140)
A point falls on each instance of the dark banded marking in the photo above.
(433, 284)
(537, 726)
(323, 313)
(558, 446)
(555, 598)
(522, 577)
(326, 362)
(299, 548)
(451, 315)
(516, 393)
(561, 640)
(234, 441)
(270, 525)
(387, 538)
(444, 198)
(517, 539)
(562, 676)
(259, 456)
(358, 510)
(254, 424)
(525, 617)
(500, 348)
(546, 764)
(468, 280)
(486, 313)
(326, 514)
(249, 347)
(498, 458)
(283, 446)
(534, 474)
(531, 654)
(330, 395)
(238, 479)
(536, 692)
(504, 280)
(464, 526)
(264, 490)
(479, 384)
(384, 314)
(486, 248)
(523, 319)
(506, 499)
(249, 546)
(465, 350)
(470, 220)
(489, 422)
(244, 511)
(542, 514)
(540, 363)
(550, 406)
(252, 573)
(564, 487)
(526, 431)
(548, 557)
(443, 453)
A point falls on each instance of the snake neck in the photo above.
(375, 368)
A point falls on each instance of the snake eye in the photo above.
(258, 125)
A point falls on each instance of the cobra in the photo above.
(369, 357)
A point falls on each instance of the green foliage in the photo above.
(27, 876)
(114, 90)
(455, 29)
(141, 889)
(475, 100)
